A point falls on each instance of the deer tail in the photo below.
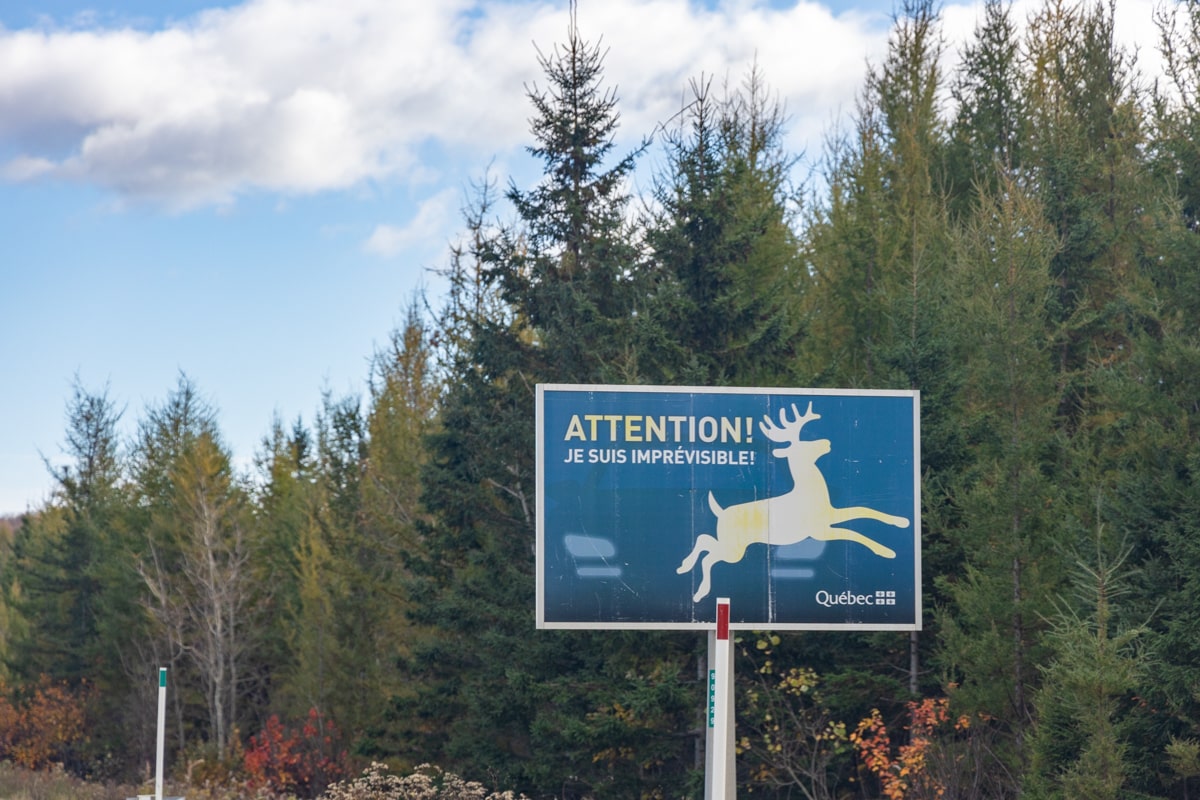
(712, 503)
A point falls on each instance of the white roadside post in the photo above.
(724, 775)
(162, 730)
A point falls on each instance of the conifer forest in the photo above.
(1017, 237)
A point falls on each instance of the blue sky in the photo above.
(251, 192)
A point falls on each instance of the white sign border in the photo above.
(543, 624)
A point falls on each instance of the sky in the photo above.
(252, 193)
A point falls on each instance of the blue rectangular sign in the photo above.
(800, 505)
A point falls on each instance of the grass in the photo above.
(22, 784)
(17, 783)
(375, 783)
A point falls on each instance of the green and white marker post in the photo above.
(162, 731)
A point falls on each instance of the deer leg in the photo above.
(862, 512)
(844, 534)
(706, 572)
(703, 542)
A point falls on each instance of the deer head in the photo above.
(787, 433)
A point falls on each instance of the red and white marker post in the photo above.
(721, 777)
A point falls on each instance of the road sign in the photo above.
(801, 505)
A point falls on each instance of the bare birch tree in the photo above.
(195, 558)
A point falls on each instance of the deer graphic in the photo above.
(805, 512)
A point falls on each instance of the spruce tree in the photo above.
(722, 240)
(878, 252)
(989, 129)
(1002, 509)
(73, 601)
(558, 296)
(1078, 747)
(58, 553)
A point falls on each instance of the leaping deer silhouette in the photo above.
(805, 512)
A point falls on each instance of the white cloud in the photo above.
(302, 96)
(436, 214)
(24, 168)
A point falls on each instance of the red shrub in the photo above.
(302, 762)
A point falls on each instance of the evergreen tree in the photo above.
(372, 605)
(1177, 105)
(1004, 511)
(10, 623)
(1175, 158)
(878, 250)
(285, 517)
(878, 247)
(571, 270)
(1145, 440)
(1078, 750)
(1087, 133)
(721, 234)
(563, 295)
(334, 555)
(69, 599)
(989, 129)
(58, 552)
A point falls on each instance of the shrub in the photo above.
(426, 783)
(40, 728)
(302, 762)
(18, 783)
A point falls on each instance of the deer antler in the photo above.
(787, 430)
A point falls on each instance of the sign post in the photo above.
(723, 784)
(162, 731)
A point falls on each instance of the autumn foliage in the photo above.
(296, 761)
(39, 727)
(902, 771)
